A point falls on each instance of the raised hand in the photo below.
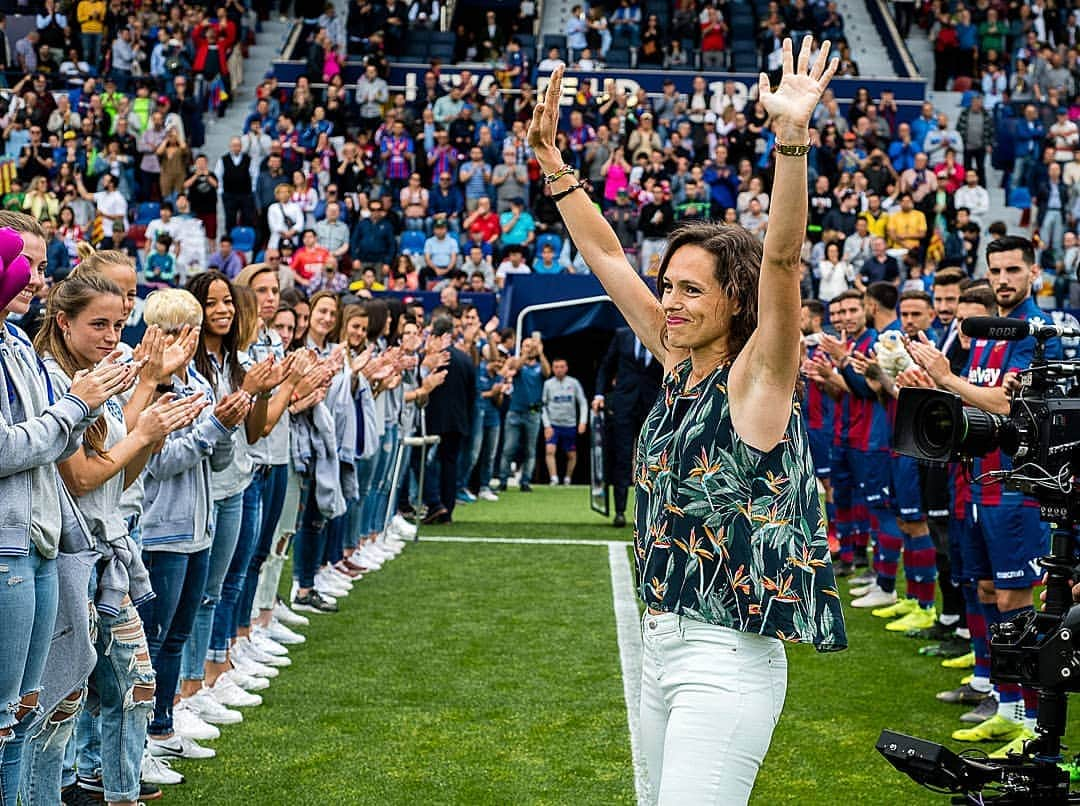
(930, 358)
(179, 352)
(433, 381)
(792, 103)
(168, 414)
(545, 124)
(916, 377)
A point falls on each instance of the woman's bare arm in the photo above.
(767, 367)
(591, 232)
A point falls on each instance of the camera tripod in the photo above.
(1038, 649)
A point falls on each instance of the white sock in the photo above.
(1012, 711)
(948, 621)
(981, 684)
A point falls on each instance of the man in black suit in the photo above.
(449, 414)
(633, 375)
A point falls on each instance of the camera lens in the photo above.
(938, 427)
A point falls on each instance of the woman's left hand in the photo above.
(792, 103)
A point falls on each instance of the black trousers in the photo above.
(440, 484)
(239, 210)
(622, 434)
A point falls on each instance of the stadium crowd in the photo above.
(268, 406)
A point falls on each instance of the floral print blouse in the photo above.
(727, 534)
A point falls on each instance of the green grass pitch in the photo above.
(473, 673)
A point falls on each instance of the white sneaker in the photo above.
(328, 589)
(553, 481)
(342, 579)
(282, 634)
(187, 723)
(249, 665)
(364, 557)
(287, 617)
(177, 746)
(402, 526)
(156, 770)
(566, 481)
(486, 494)
(390, 545)
(381, 552)
(875, 597)
(263, 641)
(208, 709)
(244, 675)
(228, 692)
(861, 590)
(253, 650)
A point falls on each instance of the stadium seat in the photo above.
(618, 58)
(147, 212)
(550, 238)
(412, 242)
(243, 238)
(554, 41)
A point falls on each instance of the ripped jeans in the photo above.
(111, 730)
(28, 601)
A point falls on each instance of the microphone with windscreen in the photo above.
(1000, 328)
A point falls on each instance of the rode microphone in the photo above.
(1000, 328)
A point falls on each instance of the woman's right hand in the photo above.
(94, 386)
(545, 125)
(168, 414)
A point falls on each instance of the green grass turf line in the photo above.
(484, 674)
(561, 512)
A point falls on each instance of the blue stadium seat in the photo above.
(447, 37)
(549, 238)
(412, 242)
(618, 58)
(147, 212)
(243, 239)
(554, 41)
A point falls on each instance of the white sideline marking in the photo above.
(627, 628)
(524, 540)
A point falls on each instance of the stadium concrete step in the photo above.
(863, 38)
(261, 55)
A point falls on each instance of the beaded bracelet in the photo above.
(558, 197)
(551, 179)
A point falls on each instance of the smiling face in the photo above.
(851, 316)
(323, 318)
(34, 252)
(356, 331)
(219, 310)
(696, 311)
(946, 298)
(94, 332)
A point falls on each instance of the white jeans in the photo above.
(710, 698)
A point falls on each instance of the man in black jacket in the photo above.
(633, 375)
(449, 415)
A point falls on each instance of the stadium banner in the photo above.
(411, 78)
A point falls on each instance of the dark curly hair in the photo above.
(736, 266)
